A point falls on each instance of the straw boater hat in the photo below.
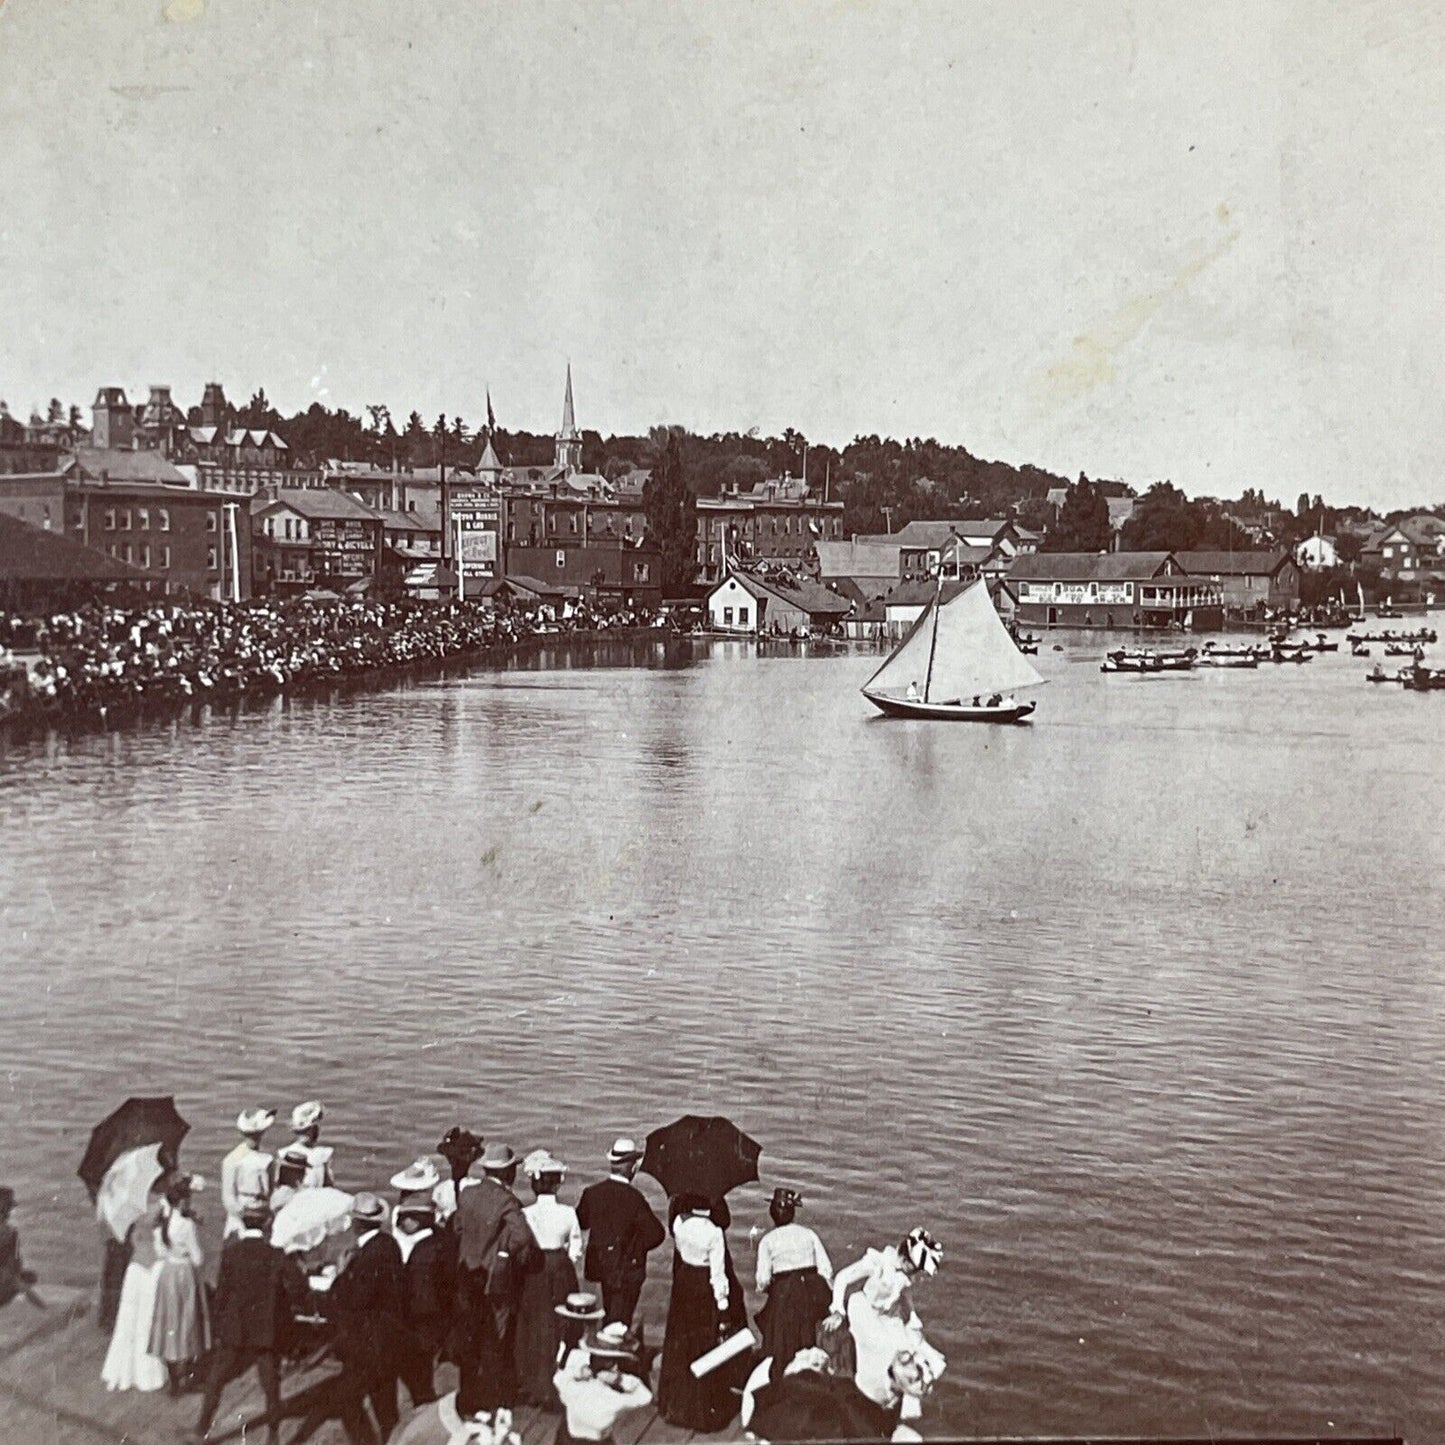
(539, 1162)
(497, 1157)
(368, 1209)
(255, 1121)
(580, 1306)
(622, 1151)
(306, 1116)
(612, 1342)
(418, 1178)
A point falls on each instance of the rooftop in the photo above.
(1232, 564)
(1088, 566)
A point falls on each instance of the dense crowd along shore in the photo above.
(97, 664)
(447, 1266)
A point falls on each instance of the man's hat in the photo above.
(497, 1157)
(622, 1151)
(255, 1211)
(368, 1209)
(255, 1121)
(304, 1116)
(922, 1251)
(580, 1306)
(417, 1178)
(786, 1198)
(539, 1163)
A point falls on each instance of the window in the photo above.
(128, 556)
(143, 518)
(145, 555)
(727, 617)
(165, 556)
(210, 521)
(561, 558)
(163, 518)
(211, 556)
(511, 531)
(641, 571)
(125, 520)
(110, 519)
(743, 616)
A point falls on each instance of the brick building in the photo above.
(315, 538)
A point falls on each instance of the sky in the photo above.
(1146, 241)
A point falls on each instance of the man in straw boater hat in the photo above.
(428, 1260)
(495, 1246)
(258, 1292)
(621, 1230)
(600, 1383)
(246, 1170)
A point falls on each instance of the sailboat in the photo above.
(957, 663)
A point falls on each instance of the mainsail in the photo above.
(970, 652)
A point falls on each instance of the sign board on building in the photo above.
(1082, 594)
(348, 548)
(476, 515)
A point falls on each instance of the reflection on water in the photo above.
(1138, 1007)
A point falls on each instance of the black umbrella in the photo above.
(135, 1124)
(694, 1155)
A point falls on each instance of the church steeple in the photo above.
(569, 440)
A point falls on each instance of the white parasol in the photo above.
(310, 1217)
(124, 1193)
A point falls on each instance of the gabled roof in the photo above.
(33, 554)
(1087, 566)
(920, 593)
(321, 504)
(123, 465)
(1231, 564)
(926, 534)
(806, 595)
(988, 527)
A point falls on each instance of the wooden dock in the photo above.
(51, 1394)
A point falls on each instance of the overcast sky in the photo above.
(1194, 241)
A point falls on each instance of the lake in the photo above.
(1138, 1007)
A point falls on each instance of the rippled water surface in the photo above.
(1139, 1008)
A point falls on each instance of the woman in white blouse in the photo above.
(598, 1384)
(548, 1282)
(706, 1307)
(795, 1273)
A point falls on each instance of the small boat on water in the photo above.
(1378, 674)
(1403, 649)
(1358, 649)
(957, 663)
(1148, 661)
(1213, 652)
(1423, 679)
(1226, 659)
(1420, 634)
(1288, 654)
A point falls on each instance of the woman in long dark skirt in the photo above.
(795, 1273)
(551, 1277)
(705, 1308)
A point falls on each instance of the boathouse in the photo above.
(746, 602)
(1250, 581)
(1112, 589)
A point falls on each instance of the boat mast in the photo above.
(933, 641)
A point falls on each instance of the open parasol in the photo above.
(137, 1123)
(310, 1217)
(124, 1193)
(696, 1155)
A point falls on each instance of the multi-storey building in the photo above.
(776, 519)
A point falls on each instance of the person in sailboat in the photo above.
(912, 692)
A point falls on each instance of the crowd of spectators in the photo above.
(100, 659)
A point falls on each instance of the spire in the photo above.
(569, 443)
(569, 420)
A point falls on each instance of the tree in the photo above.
(671, 525)
(56, 413)
(1083, 524)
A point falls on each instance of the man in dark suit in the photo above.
(429, 1266)
(621, 1231)
(366, 1307)
(495, 1245)
(258, 1292)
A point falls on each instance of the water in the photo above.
(1138, 1008)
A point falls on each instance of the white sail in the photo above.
(972, 654)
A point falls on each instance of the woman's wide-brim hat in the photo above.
(420, 1177)
(305, 1116)
(458, 1145)
(255, 1121)
(540, 1163)
(612, 1342)
(581, 1305)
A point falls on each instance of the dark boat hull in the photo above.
(948, 712)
